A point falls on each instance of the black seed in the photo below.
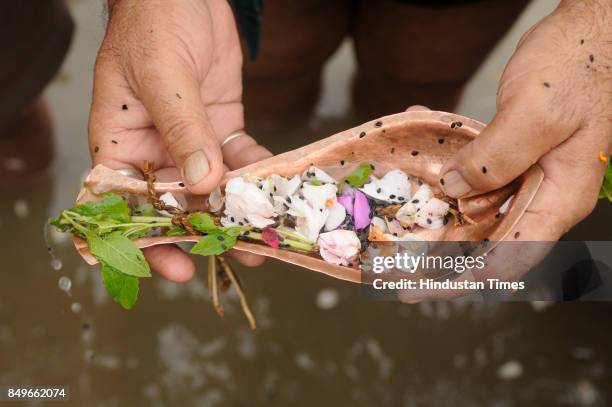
(420, 182)
(321, 209)
(429, 221)
(546, 84)
(275, 188)
(592, 58)
(220, 238)
(497, 215)
(400, 198)
(350, 264)
(362, 134)
(223, 246)
(178, 95)
(124, 107)
(378, 123)
(391, 196)
(395, 234)
(456, 124)
(440, 141)
(373, 168)
(484, 169)
(96, 149)
(414, 153)
(271, 194)
(241, 223)
(415, 201)
(346, 181)
(581, 42)
(442, 181)
(517, 234)
(246, 233)
(342, 162)
(445, 220)
(392, 150)
(114, 142)
(233, 219)
(284, 245)
(378, 191)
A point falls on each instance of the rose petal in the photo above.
(270, 237)
(361, 211)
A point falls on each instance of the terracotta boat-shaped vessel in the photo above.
(409, 141)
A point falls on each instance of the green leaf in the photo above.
(145, 210)
(213, 244)
(120, 253)
(123, 288)
(62, 227)
(113, 207)
(315, 182)
(176, 231)
(359, 175)
(606, 187)
(202, 222)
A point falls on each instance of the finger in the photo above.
(417, 108)
(171, 95)
(518, 136)
(567, 195)
(246, 258)
(243, 151)
(170, 262)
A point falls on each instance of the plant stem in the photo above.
(294, 244)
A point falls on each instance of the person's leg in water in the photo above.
(34, 38)
(297, 37)
(423, 52)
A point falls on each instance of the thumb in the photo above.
(174, 102)
(514, 140)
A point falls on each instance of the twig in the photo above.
(212, 285)
(243, 302)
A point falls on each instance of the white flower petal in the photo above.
(319, 196)
(169, 200)
(316, 174)
(309, 221)
(379, 223)
(506, 205)
(215, 200)
(244, 199)
(337, 214)
(394, 187)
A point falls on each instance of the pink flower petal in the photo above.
(271, 238)
(361, 211)
(347, 202)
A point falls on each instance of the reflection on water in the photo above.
(317, 343)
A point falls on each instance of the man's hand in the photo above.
(168, 89)
(553, 108)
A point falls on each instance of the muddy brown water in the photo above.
(318, 342)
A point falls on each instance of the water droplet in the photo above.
(64, 283)
(327, 298)
(21, 208)
(76, 307)
(56, 264)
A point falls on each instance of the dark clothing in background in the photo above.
(34, 39)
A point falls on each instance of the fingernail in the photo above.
(196, 167)
(454, 184)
